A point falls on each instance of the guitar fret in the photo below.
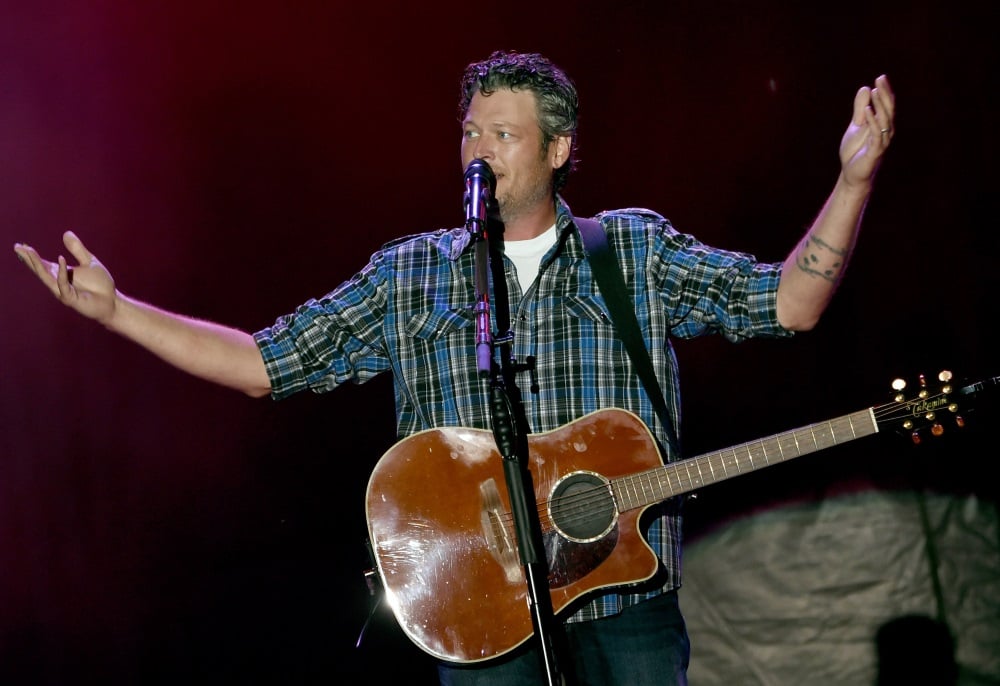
(629, 492)
(687, 469)
(680, 486)
(701, 477)
(761, 451)
(644, 492)
(652, 492)
(655, 486)
(640, 492)
(735, 460)
(711, 470)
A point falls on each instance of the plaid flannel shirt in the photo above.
(410, 312)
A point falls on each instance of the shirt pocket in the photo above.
(589, 308)
(438, 323)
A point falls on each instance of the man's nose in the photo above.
(483, 150)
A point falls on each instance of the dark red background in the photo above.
(229, 160)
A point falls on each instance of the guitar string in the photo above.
(578, 506)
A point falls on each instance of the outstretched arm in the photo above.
(216, 353)
(814, 268)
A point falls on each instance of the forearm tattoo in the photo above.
(821, 259)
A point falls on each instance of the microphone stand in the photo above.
(510, 424)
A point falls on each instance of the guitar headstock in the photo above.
(929, 407)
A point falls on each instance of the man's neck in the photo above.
(529, 225)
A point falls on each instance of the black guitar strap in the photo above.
(622, 311)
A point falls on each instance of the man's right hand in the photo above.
(87, 287)
(210, 351)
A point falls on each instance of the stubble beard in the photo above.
(512, 208)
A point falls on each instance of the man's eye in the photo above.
(471, 134)
(503, 135)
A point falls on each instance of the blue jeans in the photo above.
(645, 644)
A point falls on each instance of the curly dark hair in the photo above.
(555, 95)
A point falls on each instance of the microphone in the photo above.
(480, 185)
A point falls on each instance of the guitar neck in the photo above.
(677, 478)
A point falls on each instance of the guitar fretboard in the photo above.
(652, 486)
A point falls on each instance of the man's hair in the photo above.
(555, 95)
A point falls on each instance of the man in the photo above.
(410, 312)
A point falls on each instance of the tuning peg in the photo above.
(899, 385)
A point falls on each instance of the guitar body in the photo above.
(444, 541)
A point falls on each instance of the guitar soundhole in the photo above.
(582, 507)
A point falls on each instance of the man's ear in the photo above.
(559, 150)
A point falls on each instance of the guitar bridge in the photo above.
(498, 535)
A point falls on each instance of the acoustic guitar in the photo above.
(443, 537)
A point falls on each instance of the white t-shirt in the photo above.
(527, 255)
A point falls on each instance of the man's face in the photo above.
(502, 129)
